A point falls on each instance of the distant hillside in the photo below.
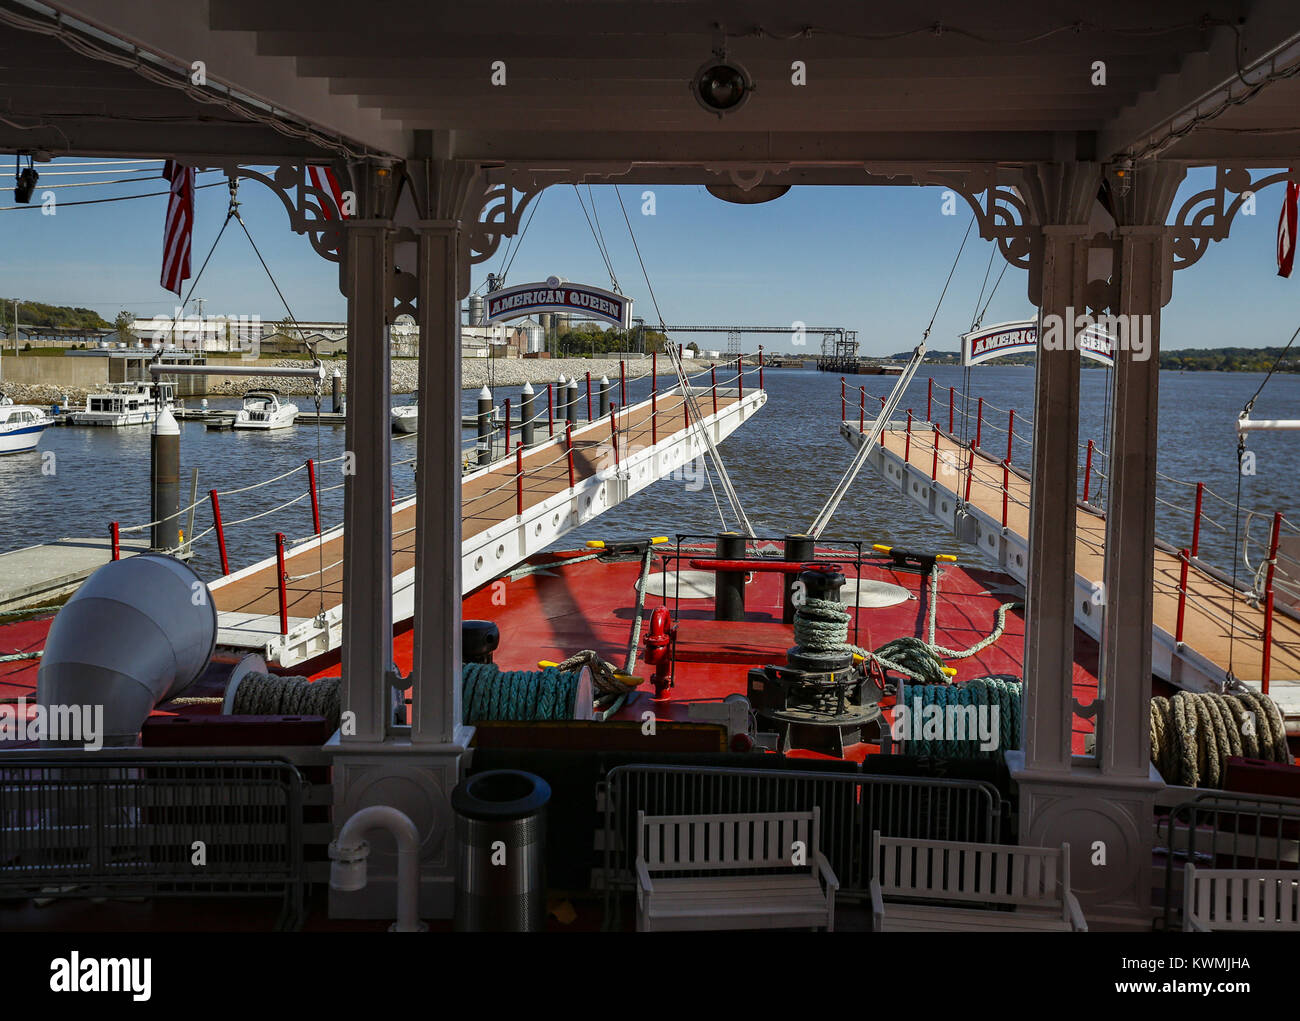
(35, 313)
(1209, 359)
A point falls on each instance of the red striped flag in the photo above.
(1286, 223)
(180, 225)
(322, 178)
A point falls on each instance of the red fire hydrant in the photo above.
(660, 647)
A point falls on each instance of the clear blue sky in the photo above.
(871, 259)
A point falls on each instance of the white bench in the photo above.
(801, 894)
(1036, 880)
(1241, 900)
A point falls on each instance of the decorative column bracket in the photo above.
(311, 210)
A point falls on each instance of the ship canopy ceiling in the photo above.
(605, 83)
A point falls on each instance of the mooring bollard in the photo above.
(507, 426)
(572, 407)
(336, 382)
(588, 396)
(485, 426)
(526, 415)
(604, 396)
(550, 412)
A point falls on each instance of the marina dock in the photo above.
(985, 501)
(39, 575)
(511, 509)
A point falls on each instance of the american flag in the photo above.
(323, 179)
(1286, 223)
(180, 225)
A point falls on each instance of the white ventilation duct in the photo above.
(137, 632)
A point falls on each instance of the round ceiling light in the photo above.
(721, 86)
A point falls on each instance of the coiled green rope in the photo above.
(822, 625)
(488, 693)
(1003, 692)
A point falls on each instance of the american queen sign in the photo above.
(556, 295)
(1021, 338)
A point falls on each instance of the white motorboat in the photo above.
(406, 418)
(263, 410)
(21, 426)
(135, 403)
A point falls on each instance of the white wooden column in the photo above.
(1050, 592)
(1125, 745)
(367, 509)
(436, 669)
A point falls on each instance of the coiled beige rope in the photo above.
(1194, 734)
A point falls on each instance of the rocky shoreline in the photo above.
(476, 372)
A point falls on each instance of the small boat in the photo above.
(262, 410)
(21, 426)
(135, 403)
(406, 417)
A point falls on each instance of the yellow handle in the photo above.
(947, 558)
(951, 671)
(658, 539)
(595, 544)
(545, 663)
(882, 548)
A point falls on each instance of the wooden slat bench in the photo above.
(1241, 900)
(963, 878)
(770, 886)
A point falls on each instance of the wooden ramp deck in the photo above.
(932, 469)
(652, 442)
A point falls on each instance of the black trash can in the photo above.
(501, 839)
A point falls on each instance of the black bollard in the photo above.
(526, 415)
(572, 409)
(165, 473)
(729, 593)
(338, 392)
(798, 549)
(604, 396)
(485, 426)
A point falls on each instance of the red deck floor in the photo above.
(590, 605)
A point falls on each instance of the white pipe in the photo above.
(349, 853)
(1250, 425)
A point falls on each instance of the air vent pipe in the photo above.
(138, 632)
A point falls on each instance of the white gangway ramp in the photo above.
(966, 479)
(511, 509)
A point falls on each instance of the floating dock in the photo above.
(40, 575)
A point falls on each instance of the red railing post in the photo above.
(1011, 432)
(654, 417)
(622, 383)
(654, 372)
(740, 376)
(1087, 473)
(284, 582)
(907, 443)
(507, 425)
(1196, 519)
(979, 421)
(929, 397)
(713, 384)
(970, 471)
(519, 480)
(568, 437)
(588, 396)
(221, 531)
(862, 409)
(1184, 556)
(1266, 662)
(613, 432)
(315, 497)
(1006, 489)
(934, 462)
(116, 539)
(952, 406)
(550, 414)
(844, 403)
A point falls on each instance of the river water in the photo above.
(783, 463)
